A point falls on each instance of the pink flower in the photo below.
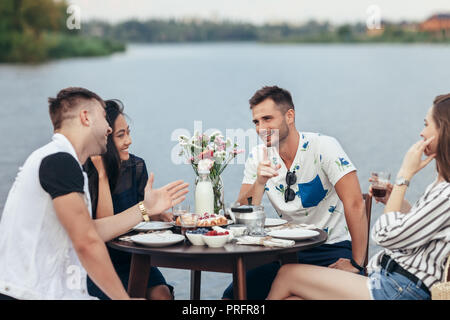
(207, 154)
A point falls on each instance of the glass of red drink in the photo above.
(380, 181)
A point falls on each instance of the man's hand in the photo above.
(266, 169)
(345, 265)
(160, 200)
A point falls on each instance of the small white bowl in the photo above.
(195, 238)
(216, 241)
(238, 229)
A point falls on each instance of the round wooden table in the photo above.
(232, 258)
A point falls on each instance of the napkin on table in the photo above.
(294, 226)
(265, 241)
(127, 238)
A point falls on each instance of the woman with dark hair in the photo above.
(415, 240)
(116, 182)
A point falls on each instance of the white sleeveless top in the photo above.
(37, 259)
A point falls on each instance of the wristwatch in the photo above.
(144, 212)
(400, 181)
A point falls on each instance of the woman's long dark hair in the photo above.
(441, 116)
(111, 158)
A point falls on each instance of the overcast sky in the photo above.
(260, 11)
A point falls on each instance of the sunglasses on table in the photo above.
(291, 179)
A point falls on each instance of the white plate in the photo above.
(293, 234)
(272, 222)
(157, 240)
(153, 225)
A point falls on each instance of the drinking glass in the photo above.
(380, 180)
(180, 209)
(188, 222)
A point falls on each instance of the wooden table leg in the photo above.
(196, 279)
(139, 275)
(239, 279)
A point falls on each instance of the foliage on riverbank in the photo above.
(35, 31)
(168, 31)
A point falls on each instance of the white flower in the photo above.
(216, 134)
(195, 136)
(183, 139)
(205, 165)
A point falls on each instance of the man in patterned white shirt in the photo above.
(308, 178)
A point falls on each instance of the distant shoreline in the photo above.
(193, 31)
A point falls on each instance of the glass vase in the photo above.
(219, 200)
(218, 189)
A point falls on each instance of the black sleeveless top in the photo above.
(129, 190)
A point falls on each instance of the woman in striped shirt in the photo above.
(416, 240)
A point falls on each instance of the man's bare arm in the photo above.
(90, 248)
(253, 191)
(349, 191)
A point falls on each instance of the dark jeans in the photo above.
(4, 298)
(156, 278)
(259, 280)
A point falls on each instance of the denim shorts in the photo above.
(393, 286)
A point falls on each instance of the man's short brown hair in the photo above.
(281, 97)
(66, 100)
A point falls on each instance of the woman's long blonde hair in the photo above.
(441, 116)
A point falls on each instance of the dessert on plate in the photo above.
(208, 220)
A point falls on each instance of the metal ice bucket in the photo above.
(253, 217)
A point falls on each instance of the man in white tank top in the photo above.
(48, 241)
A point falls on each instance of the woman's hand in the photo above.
(160, 200)
(412, 162)
(99, 165)
(386, 197)
(166, 216)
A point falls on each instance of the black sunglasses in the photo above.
(291, 179)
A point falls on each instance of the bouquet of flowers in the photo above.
(216, 153)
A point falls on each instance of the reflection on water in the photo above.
(372, 98)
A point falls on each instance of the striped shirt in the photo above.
(419, 241)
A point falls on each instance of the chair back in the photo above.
(446, 269)
(368, 209)
(441, 290)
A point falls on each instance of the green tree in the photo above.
(35, 30)
(21, 27)
(345, 32)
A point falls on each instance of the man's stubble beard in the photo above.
(282, 136)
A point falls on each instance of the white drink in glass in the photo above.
(204, 195)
